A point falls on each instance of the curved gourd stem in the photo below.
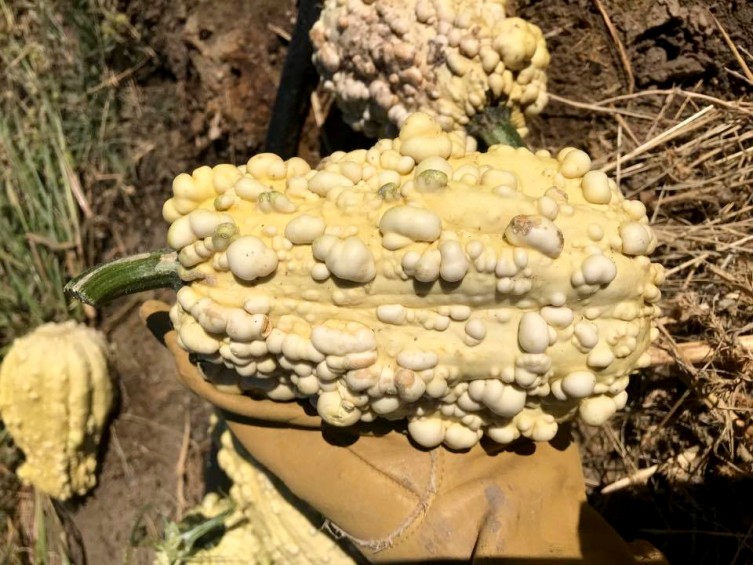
(136, 273)
(493, 127)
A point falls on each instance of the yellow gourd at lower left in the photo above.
(55, 396)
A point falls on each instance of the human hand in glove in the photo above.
(398, 502)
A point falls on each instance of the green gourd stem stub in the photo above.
(493, 127)
(106, 282)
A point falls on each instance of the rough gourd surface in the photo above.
(284, 533)
(264, 526)
(449, 58)
(238, 545)
(55, 395)
(470, 293)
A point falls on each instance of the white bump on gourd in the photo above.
(503, 434)
(391, 314)
(250, 189)
(586, 334)
(635, 209)
(421, 138)
(180, 234)
(410, 222)
(249, 258)
(417, 360)
(409, 385)
(454, 264)
(559, 317)
(336, 411)
(575, 163)
(536, 424)
(637, 239)
(434, 163)
(596, 410)
(321, 246)
(600, 357)
(324, 181)
(385, 404)
(194, 338)
(476, 329)
(503, 399)
(224, 177)
(242, 326)
(427, 432)
(351, 260)
(579, 384)
(533, 333)
(595, 185)
(428, 267)
(598, 270)
(595, 232)
(204, 222)
(304, 229)
(459, 437)
(535, 232)
(331, 341)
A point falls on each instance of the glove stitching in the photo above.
(377, 545)
(437, 472)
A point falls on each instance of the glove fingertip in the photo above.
(155, 315)
(152, 306)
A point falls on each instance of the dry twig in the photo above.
(624, 59)
(684, 462)
(733, 48)
(180, 467)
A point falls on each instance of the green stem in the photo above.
(145, 271)
(493, 127)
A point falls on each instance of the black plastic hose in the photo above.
(297, 81)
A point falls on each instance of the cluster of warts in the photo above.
(449, 58)
(470, 293)
(273, 526)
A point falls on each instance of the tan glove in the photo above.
(398, 502)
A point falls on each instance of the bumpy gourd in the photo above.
(55, 395)
(285, 534)
(449, 58)
(238, 544)
(264, 525)
(470, 293)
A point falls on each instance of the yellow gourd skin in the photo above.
(55, 396)
(285, 534)
(265, 526)
(471, 293)
(239, 544)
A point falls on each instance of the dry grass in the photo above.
(59, 148)
(40, 225)
(687, 434)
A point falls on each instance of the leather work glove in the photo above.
(397, 502)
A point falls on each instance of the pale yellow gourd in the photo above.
(55, 396)
(468, 293)
(450, 58)
(237, 544)
(265, 523)
(285, 534)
